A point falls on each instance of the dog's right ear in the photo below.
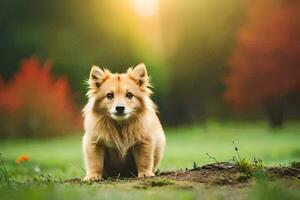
(97, 77)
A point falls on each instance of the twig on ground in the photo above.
(195, 166)
(237, 150)
(211, 157)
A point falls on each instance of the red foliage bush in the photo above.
(34, 104)
(265, 64)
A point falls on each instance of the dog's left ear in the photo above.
(139, 73)
(97, 77)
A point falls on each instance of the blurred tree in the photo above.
(74, 35)
(185, 46)
(198, 39)
(35, 104)
(265, 65)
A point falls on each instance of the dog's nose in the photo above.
(120, 109)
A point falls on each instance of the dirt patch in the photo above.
(284, 172)
(215, 174)
(226, 173)
(222, 174)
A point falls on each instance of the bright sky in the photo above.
(145, 8)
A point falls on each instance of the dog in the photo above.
(123, 134)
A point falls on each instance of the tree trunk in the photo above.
(275, 113)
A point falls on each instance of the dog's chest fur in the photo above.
(120, 137)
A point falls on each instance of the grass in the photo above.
(61, 158)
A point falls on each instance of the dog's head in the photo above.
(119, 96)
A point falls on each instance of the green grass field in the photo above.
(61, 158)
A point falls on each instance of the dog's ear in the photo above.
(139, 73)
(97, 76)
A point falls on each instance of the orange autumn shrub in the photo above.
(21, 159)
(265, 64)
(34, 104)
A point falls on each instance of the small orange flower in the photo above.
(22, 158)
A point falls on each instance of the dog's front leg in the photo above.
(94, 159)
(144, 157)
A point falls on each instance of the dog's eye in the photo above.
(110, 95)
(129, 95)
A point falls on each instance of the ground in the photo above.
(54, 169)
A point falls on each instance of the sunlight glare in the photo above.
(145, 8)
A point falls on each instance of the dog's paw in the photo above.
(92, 177)
(145, 174)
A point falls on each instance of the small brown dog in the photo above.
(123, 135)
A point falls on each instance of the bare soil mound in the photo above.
(226, 173)
(223, 174)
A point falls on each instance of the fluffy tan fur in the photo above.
(110, 140)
